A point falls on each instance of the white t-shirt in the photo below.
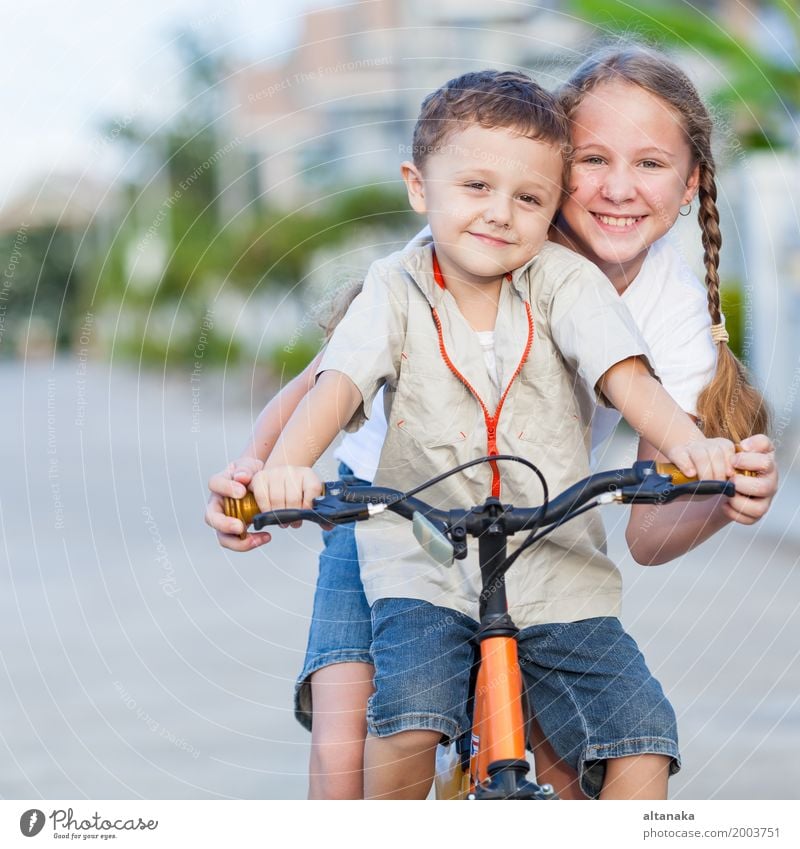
(486, 338)
(668, 304)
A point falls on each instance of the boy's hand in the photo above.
(753, 494)
(232, 482)
(278, 487)
(706, 459)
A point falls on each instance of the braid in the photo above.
(708, 217)
(729, 406)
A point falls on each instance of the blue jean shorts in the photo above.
(587, 682)
(341, 627)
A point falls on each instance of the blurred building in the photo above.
(765, 239)
(339, 109)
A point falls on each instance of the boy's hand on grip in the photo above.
(279, 487)
(705, 459)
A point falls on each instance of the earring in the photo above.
(688, 211)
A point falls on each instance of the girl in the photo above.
(642, 153)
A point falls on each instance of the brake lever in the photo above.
(328, 509)
(658, 489)
(726, 488)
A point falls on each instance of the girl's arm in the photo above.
(273, 418)
(659, 533)
(235, 478)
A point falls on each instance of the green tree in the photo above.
(169, 261)
(38, 282)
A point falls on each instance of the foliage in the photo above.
(39, 273)
(289, 360)
(732, 302)
(760, 79)
(179, 248)
(277, 246)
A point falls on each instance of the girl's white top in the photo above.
(668, 304)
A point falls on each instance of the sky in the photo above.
(68, 66)
(71, 65)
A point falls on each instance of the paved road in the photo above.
(140, 660)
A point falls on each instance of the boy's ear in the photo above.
(415, 186)
(691, 184)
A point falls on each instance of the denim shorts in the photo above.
(341, 628)
(587, 683)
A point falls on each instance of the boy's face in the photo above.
(489, 195)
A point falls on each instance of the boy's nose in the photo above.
(498, 210)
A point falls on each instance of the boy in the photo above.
(489, 340)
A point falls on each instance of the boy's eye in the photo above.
(476, 184)
(532, 199)
(650, 163)
(593, 160)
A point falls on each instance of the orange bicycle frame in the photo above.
(497, 764)
(498, 731)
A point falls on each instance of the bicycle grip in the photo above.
(679, 478)
(247, 508)
(672, 471)
(241, 508)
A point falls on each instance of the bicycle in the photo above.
(489, 762)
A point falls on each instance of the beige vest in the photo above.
(407, 332)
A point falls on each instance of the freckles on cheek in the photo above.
(585, 181)
(591, 186)
(656, 202)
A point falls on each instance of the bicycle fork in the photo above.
(498, 766)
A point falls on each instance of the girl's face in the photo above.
(631, 174)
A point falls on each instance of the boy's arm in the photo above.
(287, 479)
(659, 533)
(235, 478)
(652, 412)
(362, 354)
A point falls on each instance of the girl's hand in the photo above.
(278, 487)
(753, 494)
(706, 459)
(233, 482)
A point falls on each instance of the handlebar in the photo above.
(644, 483)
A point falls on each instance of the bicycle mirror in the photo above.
(433, 540)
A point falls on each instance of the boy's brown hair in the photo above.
(494, 99)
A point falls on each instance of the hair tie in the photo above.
(719, 333)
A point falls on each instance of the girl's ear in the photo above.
(691, 184)
(415, 186)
